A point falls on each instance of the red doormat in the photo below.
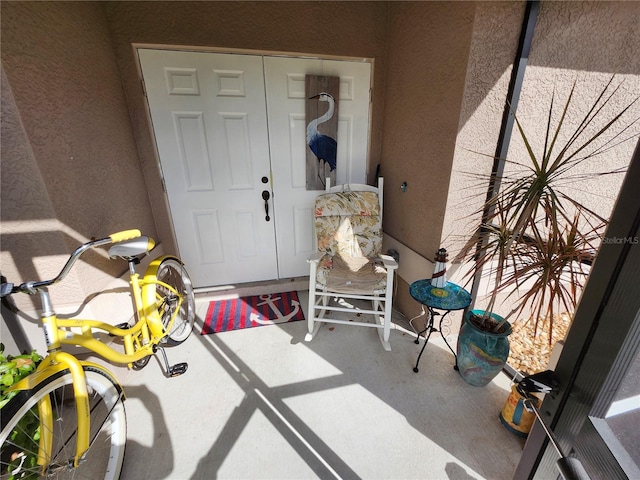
(253, 311)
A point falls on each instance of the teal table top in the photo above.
(451, 297)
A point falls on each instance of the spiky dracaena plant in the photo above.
(535, 238)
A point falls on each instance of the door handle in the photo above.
(265, 197)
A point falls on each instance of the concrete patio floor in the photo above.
(261, 403)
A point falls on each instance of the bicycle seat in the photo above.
(128, 249)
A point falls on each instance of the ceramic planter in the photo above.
(481, 355)
(515, 417)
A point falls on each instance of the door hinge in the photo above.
(164, 185)
(144, 89)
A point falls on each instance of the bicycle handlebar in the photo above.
(32, 287)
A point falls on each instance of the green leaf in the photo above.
(7, 379)
(534, 229)
(7, 366)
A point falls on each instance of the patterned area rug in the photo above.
(253, 311)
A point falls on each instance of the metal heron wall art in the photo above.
(323, 146)
(322, 129)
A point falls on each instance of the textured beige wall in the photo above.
(31, 234)
(496, 33)
(440, 77)
(583, 41)
(72, 171)
(355, 29)
(428, 48)
(461, 66)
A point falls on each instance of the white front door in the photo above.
(211, 132)
(287, 133)
(229, 128)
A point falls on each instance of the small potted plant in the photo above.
(12, 370)
(536, 239)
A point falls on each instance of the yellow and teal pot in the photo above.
(481, 355)
(514, 415)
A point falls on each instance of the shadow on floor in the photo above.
(262, 403)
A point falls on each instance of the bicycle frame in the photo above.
(52, 364)
(140, 341)
(146, 333)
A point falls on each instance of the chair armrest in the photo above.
(388, 261)
(315, 258)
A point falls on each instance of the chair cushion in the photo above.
(347, 204)
(351, 274)
(348, 224)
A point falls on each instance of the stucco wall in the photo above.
(353, 29)
(565, 53)
(586, 42)
(71, 172)
(428, 48)
(440, 77)
(494, 43)
(420, 52)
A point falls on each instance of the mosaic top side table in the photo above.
(447, 299)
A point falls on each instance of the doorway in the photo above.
(231, 136)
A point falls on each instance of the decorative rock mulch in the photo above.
(530, 353)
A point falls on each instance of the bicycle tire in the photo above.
(108, 426)
(172, 272)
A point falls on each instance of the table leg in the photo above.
(426, 339)
(455, 366)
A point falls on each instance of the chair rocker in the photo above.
(348, 264)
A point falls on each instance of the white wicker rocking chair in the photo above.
(349, 264)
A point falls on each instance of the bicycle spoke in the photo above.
(103, 458)
(176, 302)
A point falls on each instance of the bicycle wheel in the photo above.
(172, 272)
(21, 430)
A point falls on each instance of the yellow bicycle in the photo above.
(67, 419)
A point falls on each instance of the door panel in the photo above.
(211, 132)
(208, 236)
(192, 144)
